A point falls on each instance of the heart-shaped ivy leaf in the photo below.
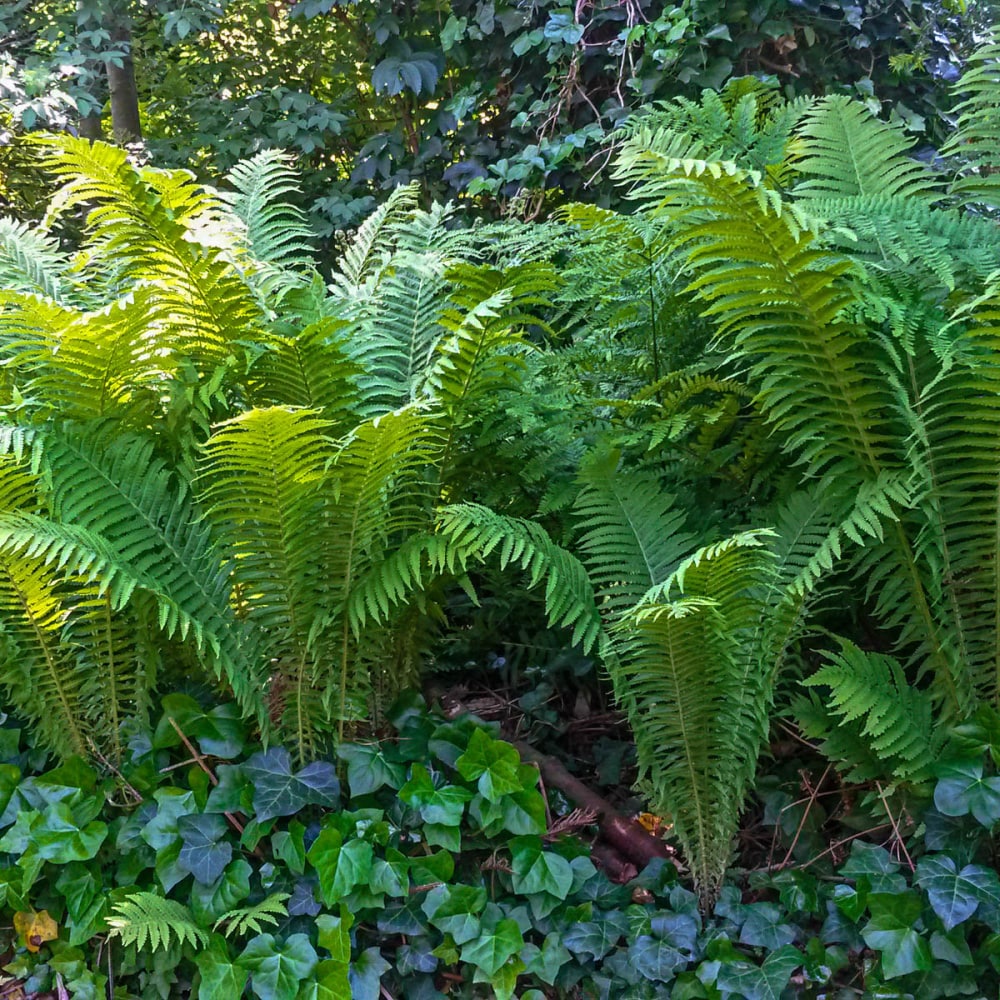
(538, 870)
(763, 982)
(493, 764)
(203, 852)
(277, 968)
(962, 789)
(955, 895)
(280, 791)
(493, 947)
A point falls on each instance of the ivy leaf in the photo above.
(443, 806)
(171, 804)
(955, 895)
(277, 791)
(962, 789)
(221, 978)
(455, 910)
(551, 957)
(57, 837)
(332, 982)
(366, 974)
(34, 928)
(289, 846)
(874, 863)
(494, 763)
(891, 931)
(340, 866)
(655, 959)
(201, 852)
(334, 934)
(597, 937)
(764, 928)
(276, 969)
(492, 948)
(764, 982)
(389, 874)
(368, 770)
(209, 902)
(219, 732)
(537, 870)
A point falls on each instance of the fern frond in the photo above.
(869, 693)
(31, 260)
(276, 231)
(975, 143)
(475, 531)
(270, 910)
(632, 535)
(149, 921)
(376, 238)
(782, 297)
(679, 670)
(844, 151)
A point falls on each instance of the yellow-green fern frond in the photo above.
(151, 922)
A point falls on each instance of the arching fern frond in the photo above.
(869, 695)
(276, 231)
(31, 260)
(149, 921)
(844, 151)
(975, 143)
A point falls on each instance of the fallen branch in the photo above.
(625, 835)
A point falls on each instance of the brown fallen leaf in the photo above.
(35, 928)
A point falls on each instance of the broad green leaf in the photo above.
(340, 866)
(655, 959)
(597, 937)
(332, 982)
(221, 978)
(171, 804)
(368, 770)
(334, 934)
(891, 931)
(493, 764)
(289, 846)
(954, 894)
(209, 902)
(765, 928)
(277, 968)
(280, 791)
(551, 957)
(366, 974)
(204, 853)
(764, 982)
(219, 732)
(538, 870)
(504, 980)
(436, 805)
(390, 874)
(962, 789)
(57, 837)
(455, 910)
(492, 948)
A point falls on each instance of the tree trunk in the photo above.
(90, 128)
(125, 124)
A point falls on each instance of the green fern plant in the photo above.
(147, 920)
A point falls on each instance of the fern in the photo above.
(869, 694)
(270, 910)
(276, 232)
(147, 920)
(31, 261)
(975, 143)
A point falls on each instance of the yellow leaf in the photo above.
(35, 929)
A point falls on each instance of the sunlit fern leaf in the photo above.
(140, 222)
(310, 368)
(870, 695)
(270, 910)
(32, 261)
(151, 922)
(843, 151)
(679, 670)
(632, 536)
(375, 239)
(110, 362)
(112, 490)
(276, 231)
(477, 532)
(975, 143)
(780, 296)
